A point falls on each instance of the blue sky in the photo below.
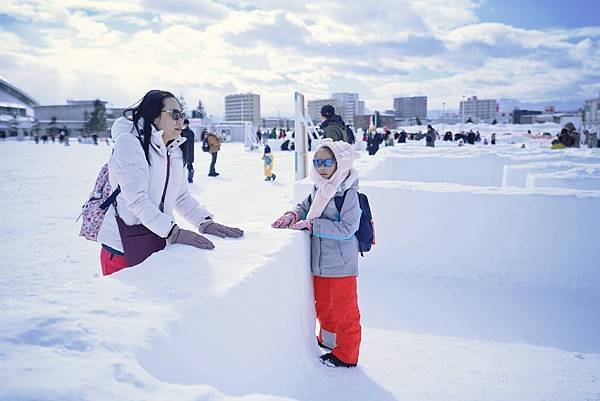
(537, 14)
(539, 52)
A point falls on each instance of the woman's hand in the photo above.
(286, 220)
(187, 237)
(212, 228)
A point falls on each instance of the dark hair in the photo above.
(149, 108)
(186, 121)
(327, 111)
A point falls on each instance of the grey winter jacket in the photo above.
(334, 247)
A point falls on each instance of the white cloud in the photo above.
(207, 49)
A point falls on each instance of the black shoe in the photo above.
(268, 179)
(213, 174)
(332, 361)
(323, 345)
(273, 177)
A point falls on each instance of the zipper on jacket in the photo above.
(162, 199)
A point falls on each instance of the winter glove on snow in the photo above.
(302, 225)
(210, 227)
(286, 220)
(187, 237)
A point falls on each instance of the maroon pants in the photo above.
(336, 304)
(111, 263)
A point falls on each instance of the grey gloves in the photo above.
(210, 227)
(187, 237)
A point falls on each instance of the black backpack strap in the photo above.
(111, 199)
(339, 200)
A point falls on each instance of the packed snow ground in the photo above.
(444, 317)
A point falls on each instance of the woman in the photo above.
(148, 166)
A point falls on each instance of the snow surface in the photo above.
(474, 291)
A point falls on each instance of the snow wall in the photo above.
(478, 166)
(237, 322)
(460, 222)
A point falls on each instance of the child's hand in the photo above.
(302, 225)
(286, 220)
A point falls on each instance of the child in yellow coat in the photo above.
(268, 164)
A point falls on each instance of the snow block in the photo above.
(515, 175)
(233, 320)
(481, 232)
(532, 236)
(580, 178)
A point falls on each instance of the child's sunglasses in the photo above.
(175, 114)
(323, 162)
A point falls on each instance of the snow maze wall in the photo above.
(439, 219)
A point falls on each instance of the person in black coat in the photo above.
(471, 138)
(373, 141)
(402, 137)
(189, 135)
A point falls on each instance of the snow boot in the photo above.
(332, 361)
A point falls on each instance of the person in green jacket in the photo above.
(332, 125)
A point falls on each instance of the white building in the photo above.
(410, 107)
(350, 104)
(314, 108)
(478, 109)
(72, 116)
(362, 109)
(243, 107)
(16, 110)
(591, 114)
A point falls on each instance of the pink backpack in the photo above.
(95, 208)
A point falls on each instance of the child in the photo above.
(268, 165)
(334, 249)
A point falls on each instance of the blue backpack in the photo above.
(366, 229)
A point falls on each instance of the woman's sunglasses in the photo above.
(175, 114)
(323, 162)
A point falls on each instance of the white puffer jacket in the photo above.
(142, 186)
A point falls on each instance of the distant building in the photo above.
(16, 110)
(410, 107)
(314, 108)
(517, 114)
(277, 122)
(591, 114)
(361, 108)
(504, 117)
(350, 105)
(380, 120)
(558, 118)
(478, 110)
(243, 107)
(73, 116)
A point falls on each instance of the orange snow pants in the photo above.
(336, 303)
